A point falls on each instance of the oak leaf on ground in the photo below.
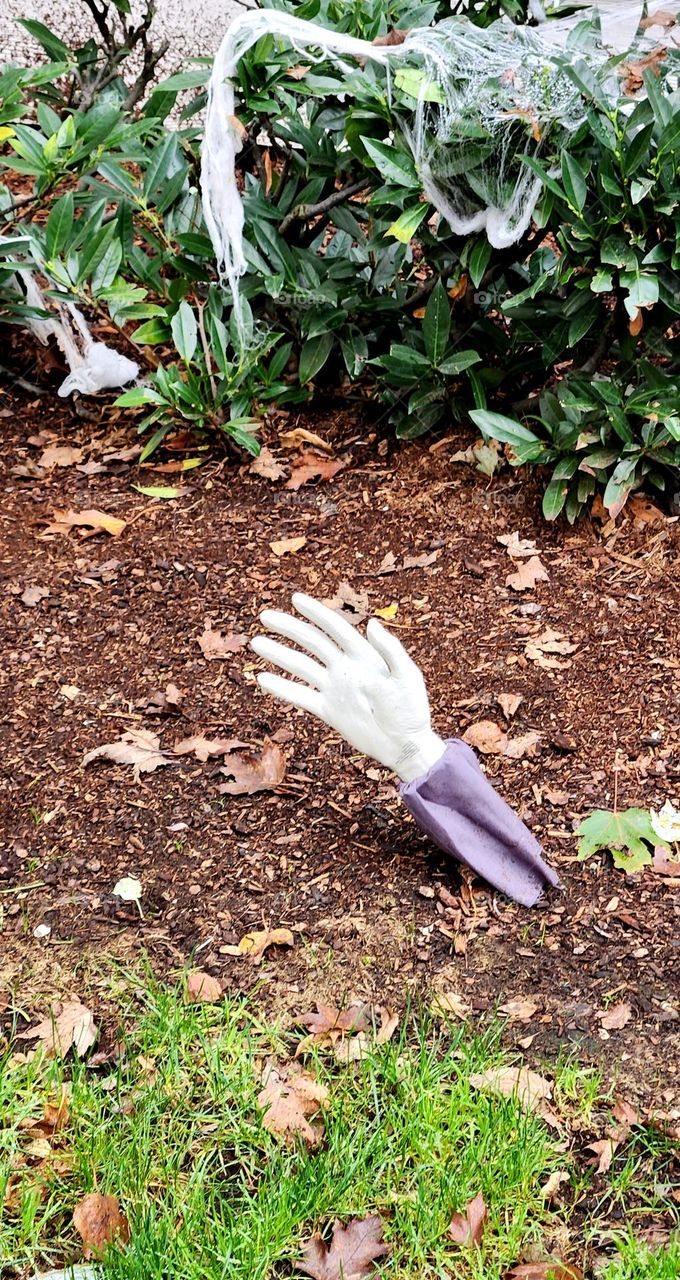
(32, 595)
(69, 1024)
(99, 1221)
(290, 1098)
(252, 773)
(468, 1228)
(485, 736)
(138, 747)
(351, 1254)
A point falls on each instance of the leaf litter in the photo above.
(99, 1222)
(290, 1099)
(137, 747)
(468, 1228)
(68, 1025)
(351, 1253)
(252, 773)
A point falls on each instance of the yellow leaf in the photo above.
(388, 614)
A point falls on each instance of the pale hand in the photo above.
(367, 689)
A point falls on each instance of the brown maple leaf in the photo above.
(68, 1025)
(351, 1253)
(329, 1025)
(527, 574)
(251, 773)
(267, 466)
(468, 1228)
(289, 1098)
(312, 466)
(98, 1221)
(138, 747)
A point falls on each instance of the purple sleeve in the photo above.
(456, 806)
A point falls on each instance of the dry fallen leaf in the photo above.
(552, 1184)
(60, 456)
(267, 466)
(516, 546)
(289, 1097)
(527, 574)
(350, 1255)
(202, 988)
(423, 561)
(519, 1010)
(509, 703)
(33, 595)
(526, 745)
(527, 1086)
(99, 1221)
(329, 1025)
(468, 1228)
(553, 1269)
(138, 747)
(214, 645)
(549, 642)
(254, 944)
(253, 773)
(664, 864)
(299, 437)
(485, 736)
(69, 1024)
(204, 748)
(313, 466)
(604, 1151)
(353, 604)
(287, 546)
(384, 1023)
(449, 1002)
(616, 1017)
(95, 521)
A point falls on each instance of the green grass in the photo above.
(636, 1261)
(175, 1133)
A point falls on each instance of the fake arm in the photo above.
(372, 693)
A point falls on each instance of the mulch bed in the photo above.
(377, 912)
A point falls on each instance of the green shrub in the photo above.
(349, 269)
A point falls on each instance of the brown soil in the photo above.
(376, 910)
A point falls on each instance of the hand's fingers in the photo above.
(341, 631)
(298, 664)
(284, 624)
(297, 695)
(390, 649)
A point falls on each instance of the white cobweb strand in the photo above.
(93, 366)
(467, 64)
(222, 204)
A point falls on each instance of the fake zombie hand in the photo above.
(367, 689)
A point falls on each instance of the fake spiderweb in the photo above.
(485, 99)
